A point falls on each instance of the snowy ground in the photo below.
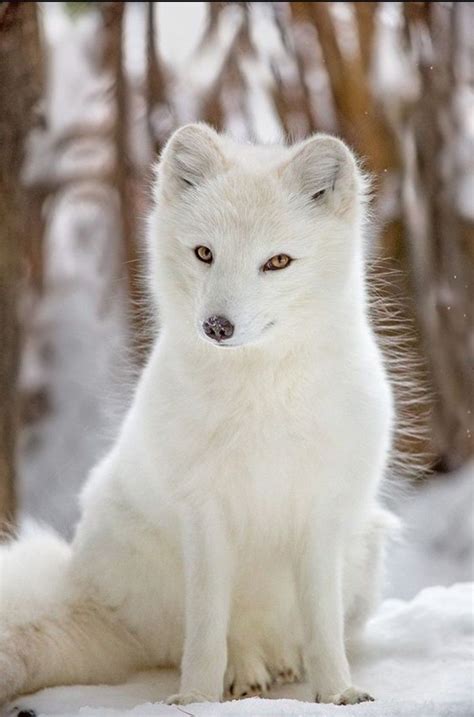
(417, 660)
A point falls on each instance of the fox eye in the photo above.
(204, 254)
(279, 261)
(319, 194)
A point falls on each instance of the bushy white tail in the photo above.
(32, 575)
(51, 633)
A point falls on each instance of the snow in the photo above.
(416, 659)
(438, 546)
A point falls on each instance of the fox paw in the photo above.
(247, 676)
(350, 696)
(287, 670)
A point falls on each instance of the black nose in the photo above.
(218, 328)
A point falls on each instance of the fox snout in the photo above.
(218, 328)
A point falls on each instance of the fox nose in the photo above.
(218, 328)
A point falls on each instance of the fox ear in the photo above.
(325, 171)
(191, 156)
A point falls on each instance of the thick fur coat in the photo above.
(234, 528)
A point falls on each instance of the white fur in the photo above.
(234, 526)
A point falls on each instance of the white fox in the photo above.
(234, 528)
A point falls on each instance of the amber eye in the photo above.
(279, 261)
(204, 254)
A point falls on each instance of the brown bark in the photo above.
(156, 83)
(213, 11)
(365, 15)
(212, 110)
(292, 99)
(113, 23)
(443, 263)
(361, 118)
(227, 94)
(19, 93)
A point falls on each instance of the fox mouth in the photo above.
(233, 344)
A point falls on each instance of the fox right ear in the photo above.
(191, 156)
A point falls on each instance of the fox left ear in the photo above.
(191, 156)
(325, 171)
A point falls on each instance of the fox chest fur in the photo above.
(264, 441)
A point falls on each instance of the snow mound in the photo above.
(438, 549)
(416, 658)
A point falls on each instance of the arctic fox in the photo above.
(234, 528)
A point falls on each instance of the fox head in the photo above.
(253, 244)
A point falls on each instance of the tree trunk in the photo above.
(113, 15)
(156, 86)
(19, 93)
(440, 254)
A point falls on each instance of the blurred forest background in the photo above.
(90, 91)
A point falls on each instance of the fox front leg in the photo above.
(207, 568)
(320, 589)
